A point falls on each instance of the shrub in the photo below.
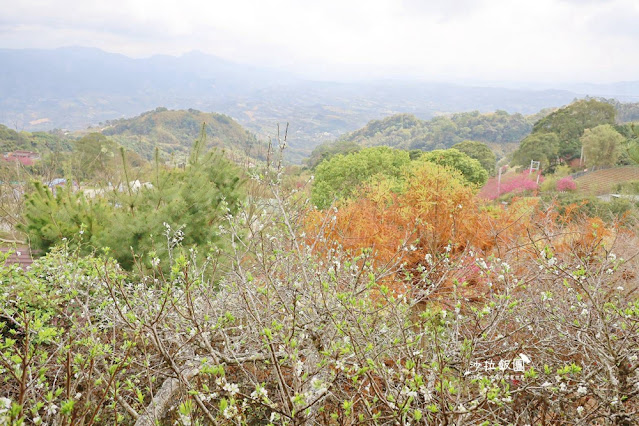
(549, 184)
(629, 187)
(566, 184)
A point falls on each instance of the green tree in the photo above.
(469, 167)
(326, 151)
(631, 145)
(569, 123)
(184, 205)
(49, 218)
(542, 147)
(11, 140)
(340, 176)
(480, 152)
(601, 145)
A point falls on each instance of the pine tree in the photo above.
(186, 206)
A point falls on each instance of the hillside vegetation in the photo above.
(408, 132)
(584, 133)
(405, 131)
(11, 140)
(173, 132)
(500, 130)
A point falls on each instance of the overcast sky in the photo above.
(513, 40)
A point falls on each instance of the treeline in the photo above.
(584, 133)
(406, 131)
(41, 142)
(171, 131)
(92, 159)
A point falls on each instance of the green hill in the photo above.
(406, 131)
(500, 130)
(41, 142)
(174, 131)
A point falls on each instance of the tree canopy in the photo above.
(340, 176)
(480, 152)
(569, 123)
(470, 168)
(542, 147)
(42, 142)
(601, 145)
(405, 131)
(329, 150)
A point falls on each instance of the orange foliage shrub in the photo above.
(433, 221)
(433, 211)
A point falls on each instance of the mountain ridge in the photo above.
(77, 87)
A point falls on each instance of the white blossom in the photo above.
(231, 388)
(51, 409)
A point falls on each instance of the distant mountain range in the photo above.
(76, 87)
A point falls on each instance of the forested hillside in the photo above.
(408, 132)
(559, 137)
(11, 140)
(502, 131)
(173, 132)
(405, 131)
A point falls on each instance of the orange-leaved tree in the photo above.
(431, 214)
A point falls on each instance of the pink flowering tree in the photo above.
(519, 183)
(566, 184)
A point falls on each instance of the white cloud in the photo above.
(542, 40)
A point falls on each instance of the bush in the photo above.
(549, 184)
(566, 184)
(630, 187)
(576, 205)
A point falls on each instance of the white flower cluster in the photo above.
(231, 388)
